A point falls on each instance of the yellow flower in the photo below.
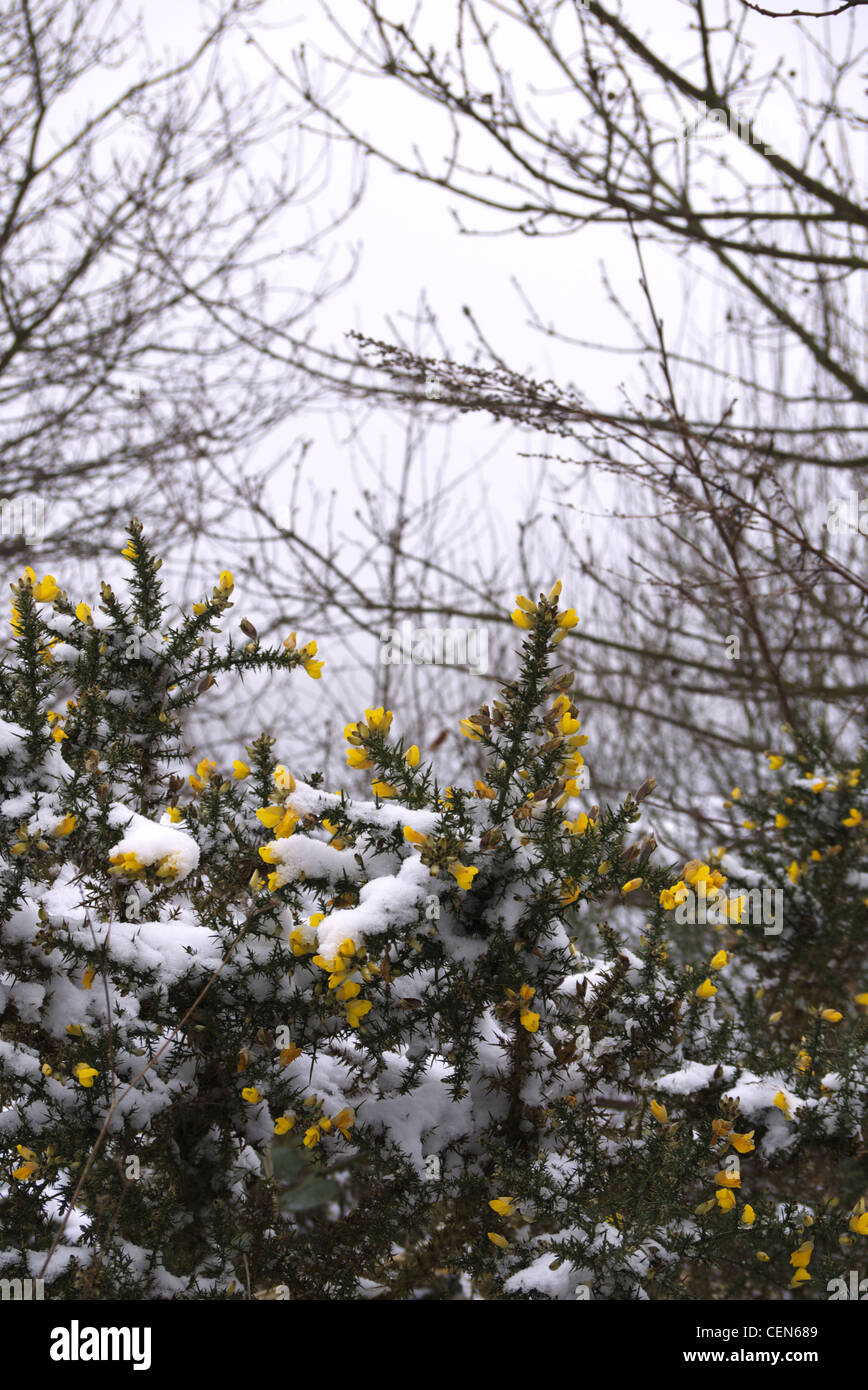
(344, 1121)
(706, 990)
(85, 1074)
(311, 1137)
(128, 864)
(719, 961)
(75, 1030)
(358, 758)
(411, 757)
(356, 1010)
(58, 735)
(801, 1258)
(500, 1241)
(794, 872)
(504, 1206)
(251, 1095)
(863, 1000)
(859, 1224)
(854, 818)
(25, 1171)
(748, 1216)
(632, 885)
(725, 1199)
(64, 827)
(782, 1104)
(480, 789)
(225, 583)
(284, 1124)
(289, 1054)
(379, 720)
(297, 941)
(287, 823)
(313, 668)
(577, 826)
(659, 1112)
(727, 1179)
(527, 993)
(46, 590)
(568, 619)
(749, 824)
(88, 977)
(529, 1020)
(781, 821)
(470, 730)
(696, 872)
(736, 793)
(521, 619)
(801, 1276)
(672, 897)
(83, 613)
(240, 770)
(831, 1015)
(463, 875)
(743, 1143)
(414, 836)
(775, 761)
(383, 789)
(568, 724)
(283, 779)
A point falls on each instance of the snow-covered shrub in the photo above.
(262, 1039)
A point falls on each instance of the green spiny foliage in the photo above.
(262, 1039)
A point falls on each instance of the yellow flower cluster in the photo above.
(462, 873)
(527, 614)
(204, 772)
(343, 1121)
(28, 1167)
(127, 864)
(307, 653)
(695, 872)
(347, 990)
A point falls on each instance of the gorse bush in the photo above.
(261, 1039)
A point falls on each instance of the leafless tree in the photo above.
(153, 303)
(751, 424)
